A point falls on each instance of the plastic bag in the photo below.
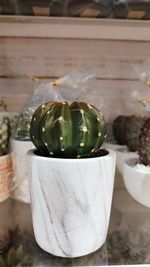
(143, 72)
(43, 93)
(131, 9)
(73, 86)
(89, 8)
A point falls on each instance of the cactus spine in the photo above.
(69, 131)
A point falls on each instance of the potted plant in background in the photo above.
(7, 125)
(89, 8)
(71, 179)
(136, 172)
(126, 130)
(41, 8)
(20, 144)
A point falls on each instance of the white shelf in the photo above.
(78, 28)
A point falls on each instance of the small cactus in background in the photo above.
(133, 126)
(68, 131)
(16, 257)
(7, 127)
(144, 143)
(119, 130)
(15, 249)
(23, 125)
(4, 129)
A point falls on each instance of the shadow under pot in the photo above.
(71, 202)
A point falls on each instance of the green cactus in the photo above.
(144, 143)
(119, 129)
(16, 257)
(4, 134)
(132, 130)
(70, 131)
(15, 249)
(23, 125)
(7, 126)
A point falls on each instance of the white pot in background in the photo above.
(137, 182)
(20, 183)
(113, 146)
(71, 202)
(5, 176)
(123, 154)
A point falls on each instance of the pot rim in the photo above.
(131, 162)
(110, 154)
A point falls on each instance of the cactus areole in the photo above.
(63, 130)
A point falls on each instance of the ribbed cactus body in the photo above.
(133, 127)
(144, 143)
(4, 134)
(68, 131)
(119, 130)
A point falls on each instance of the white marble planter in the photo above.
(20, 183)
(137, 182)
(71, 202)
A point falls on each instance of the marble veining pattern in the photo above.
(71, 202)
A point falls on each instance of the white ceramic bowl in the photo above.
(122, 155)
(137, 182)
(113, 146)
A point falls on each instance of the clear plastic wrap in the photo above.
(131, 9)
(89, 8)
(73, 86)
(20, 141)
(43, 93)
(137, 96)
(143, 72)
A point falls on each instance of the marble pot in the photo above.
(20, 183)
(137, 182)
(71, 202)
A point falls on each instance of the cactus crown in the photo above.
(68, 131)
(144, 143)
